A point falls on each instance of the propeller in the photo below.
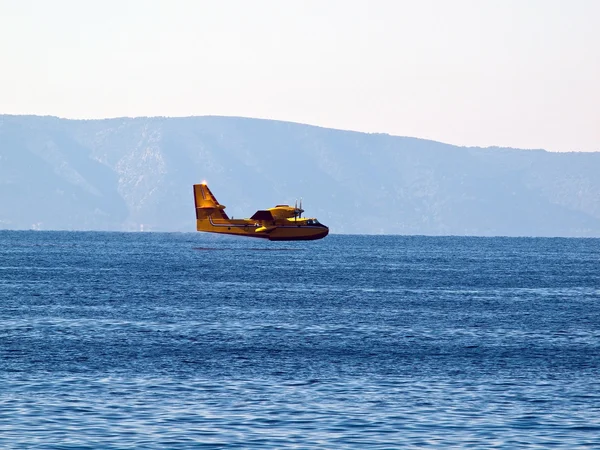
(298, 211)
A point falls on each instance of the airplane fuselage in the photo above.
(281, 223)
(277, 230)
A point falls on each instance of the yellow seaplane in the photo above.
(282, 223)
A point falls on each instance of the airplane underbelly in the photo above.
(298, 233)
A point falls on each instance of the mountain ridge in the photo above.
(129, 173)
(259, 119)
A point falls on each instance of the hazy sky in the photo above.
(523, 73)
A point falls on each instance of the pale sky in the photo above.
(516, 73)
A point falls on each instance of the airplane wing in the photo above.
(262, 215)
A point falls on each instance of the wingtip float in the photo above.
(281, 223)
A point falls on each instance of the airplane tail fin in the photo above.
(206, 203)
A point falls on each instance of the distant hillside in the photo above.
(120, 174)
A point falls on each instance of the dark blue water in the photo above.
(112, 340)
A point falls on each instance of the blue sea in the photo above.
(191, 340)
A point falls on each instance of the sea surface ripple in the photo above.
(187, 340)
